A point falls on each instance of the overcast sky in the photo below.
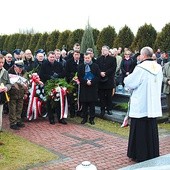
(50, 15)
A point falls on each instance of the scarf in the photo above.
(87, 66)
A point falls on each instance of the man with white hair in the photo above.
(145, 106)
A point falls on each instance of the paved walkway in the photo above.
(75, 143)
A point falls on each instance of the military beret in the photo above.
(17, 51)
(4, 52)
(39, 51)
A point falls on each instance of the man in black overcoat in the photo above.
(89, 75)
(70, 70)
(107, 65)
(51, 69)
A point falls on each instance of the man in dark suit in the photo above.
(107, 65)
(52, 69)
(71, 69)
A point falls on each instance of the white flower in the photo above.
(37, 91)
(41, 96)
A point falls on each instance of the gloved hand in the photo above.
(54, 76)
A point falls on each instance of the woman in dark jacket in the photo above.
(89, 75)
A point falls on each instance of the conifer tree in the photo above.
(124, 38)
(63, 39)
(52, 40)
(27, 42)
(12, 42)
(33, 42)
(42, 42)
(163, 39)
(5, 45)
(87, 40)
(96, 33)
(2, 41)
(146, 36)
(106, 37)
(21, 41)
(75, 37)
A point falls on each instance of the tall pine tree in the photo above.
(87, 40)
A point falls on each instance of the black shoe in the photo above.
(62, 121)
(72, 116)
(102, 113)
(92, 122)
(14, 127)
(21, 125)
(52, 122)
(168, 121)
(109, 113)
(83, 121)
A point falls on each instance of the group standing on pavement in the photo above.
(95, 78)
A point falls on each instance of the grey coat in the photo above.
(166, 77)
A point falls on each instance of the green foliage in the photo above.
(75, 37)
(21, 40)
(106, 37)
(33, 42)
(18, 153)
(163, 39)
(42, 42)
(87, 39)
(2, 41)
(53, 83)
(5, 45)
(27, 42)
(124, 38)
(52, 40)
(12, 42)
(96, 33)
(146, 36)
(63, 39)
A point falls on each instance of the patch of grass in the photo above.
(115, 127)
(164, 126)
(121, 106)
(17, 153)
(106, 125)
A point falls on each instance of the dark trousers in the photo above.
(168, 103)
(105, 96)
(53, 108)
(72, 104)
(91, 106)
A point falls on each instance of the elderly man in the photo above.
(107, 65)
(17, 94)
(145, 106)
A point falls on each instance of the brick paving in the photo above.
(74, 143)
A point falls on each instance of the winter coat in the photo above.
(166, 77)
(107, 64)
(89, 93)
(17, 90)
(48, 69)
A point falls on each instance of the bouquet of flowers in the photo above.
(76, 92)
(56, 91)
(36, 97)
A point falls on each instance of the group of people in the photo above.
(97, 80)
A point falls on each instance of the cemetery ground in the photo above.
(40, 145)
